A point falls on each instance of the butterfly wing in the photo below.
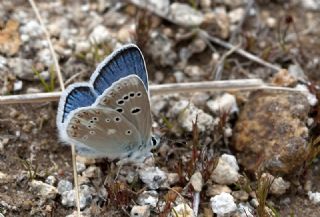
(104, 131)
(123, 62)
(129, 97)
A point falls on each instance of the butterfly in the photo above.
(110, 116)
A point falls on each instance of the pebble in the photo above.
(182, 210)
(22, 68)
(223, 204)
(223, 104)
(68, 197)
(240, 195)
(184, 15)
(226, 171)
(45, 57)
(82, 46)
(215, 189)
(140, 211)
(99, 35)
(153, 177)
(64, 185)
(158, 7)
(314, 197)
(236, 15)
(312, 99)
(80, 167)
(187, 113)
(51, 180)
(149, 198)
(4, 178)
(245, 210)
(311, 4)
(32, 29)
(43, 189)
(279, 186)
(17, 86)
(196, 181)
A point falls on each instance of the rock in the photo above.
(22, 68)
(45, 57)
(184, 15)
(194, 72)
(182, 210)
(82, 46)
(149, 198)
(314, 197)
(224, 104)
(240, 195)
(218, 22)
(92, 172)
(245, 210)
(153, 177)
(214, 190)
(160, 48)
(80, 167)
(236, 15)
(271, 132)
(311, 4)
(126, 33)
(32, 29)
(68, 197)
(232, 3)
(226, 171)
(99, 35)
(187, 114)
(160, 8)
(297, 72)
(140, 211)
(283, 78)
(64, 185)
(196, 181)
(44, 190)
(223, 204)
(173, 178)
(4, 178)
(279, 186)
(17, 86)
(312, 99)
(51, 180)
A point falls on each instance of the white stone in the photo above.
(314, 197)
(182, 210)
(159, 7)
(271, 22)
(17, 85)
(236, 15)
(140, 211)
(64, 185)
(68, 197)
(312, 99)
(31, 28)
(153, 177)
(51, 180)
(44, 189)
(196, 181)
(149, 198)
(279, 186)
(185, 15)
(223, 204)
(245, 210)
(223, 104)
(99, 35)
(187, 112)
(82, 46)
(226, 171)
(311, 4)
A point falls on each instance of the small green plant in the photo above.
(97, 53)
(50, 85)
(31, 169)
(263, 188)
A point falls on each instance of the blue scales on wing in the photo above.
(125, 61)
(77, 97)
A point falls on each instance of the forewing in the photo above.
(103, 130)
(129, 97)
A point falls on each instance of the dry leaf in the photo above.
(10, 38)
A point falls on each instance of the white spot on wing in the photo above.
(111, 131)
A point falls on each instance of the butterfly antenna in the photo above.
(62, 87)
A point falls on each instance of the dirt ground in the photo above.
(28, 134)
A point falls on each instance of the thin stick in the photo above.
(161, 89)
(54, 56)
(239, 51)
(62, 87)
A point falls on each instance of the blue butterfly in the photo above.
(109, 116)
